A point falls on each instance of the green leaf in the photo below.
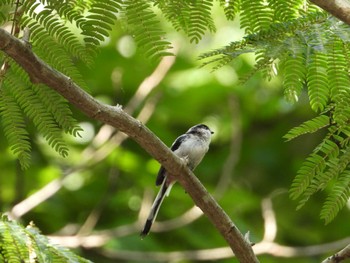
(338, 197)
(23, 244)
(145, 28)
(317, 81)
(309, 126)
(14, 127)
(314, 164)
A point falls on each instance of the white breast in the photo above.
(193, 149)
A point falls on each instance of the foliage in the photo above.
(145, 27)
(305, 46)
(26, 244)
(56, 28)
(191, 17)
(98, 196)
(310, 49)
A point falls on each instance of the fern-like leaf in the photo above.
(192, 17)
(43, 248)
(59, 109)
(255, 15)
(264, 63)
(35, 109)
(13, 245)
(294, 71)
(15, 127)
(146, 29)
(47, 48)
(274, 40)
(339, 82)
(177, 13)
(222, 57)
(329, 151)
(71, 11)
(27, 244)
(200, 19)
(317, 81)
(285, 10)
(231, 8)
(309, 126)
(338, 198)
(314, 164)
(328, 148)
(47, 26)
(102, 17)
(318, 177)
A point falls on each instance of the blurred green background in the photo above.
(102, 191)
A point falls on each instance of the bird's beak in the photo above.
(211, 132)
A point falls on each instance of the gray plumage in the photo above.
(191, 146)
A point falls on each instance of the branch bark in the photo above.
(338, 8)
(339, 256)
(40, 72)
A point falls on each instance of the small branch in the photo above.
(270, 224)
(96, 212)
(91, 155)
(267, 248)
(339, 256)
(278, 250)
(338, 8)
(224, 182)
(40, 72)
(186, 218)
(197, 255)
(149, 83)
(35, 199)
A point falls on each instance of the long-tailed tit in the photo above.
(191, 147)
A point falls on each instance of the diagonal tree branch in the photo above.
(99, 149)
(40, 72)
(338, 8)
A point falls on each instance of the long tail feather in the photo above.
(163, 191)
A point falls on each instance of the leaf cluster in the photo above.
(191, 17)
(326, 166)
(305, 46)
(309, 50)
(21, 101)
(26, 244)
(61, 32)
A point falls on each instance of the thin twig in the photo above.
(270, 225)
(186, 218)
(92, 155)
(95, 214)
(235, 147)
(266, 248)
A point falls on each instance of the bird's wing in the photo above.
(174, 147)
(178, 142)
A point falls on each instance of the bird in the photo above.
(191, 147)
